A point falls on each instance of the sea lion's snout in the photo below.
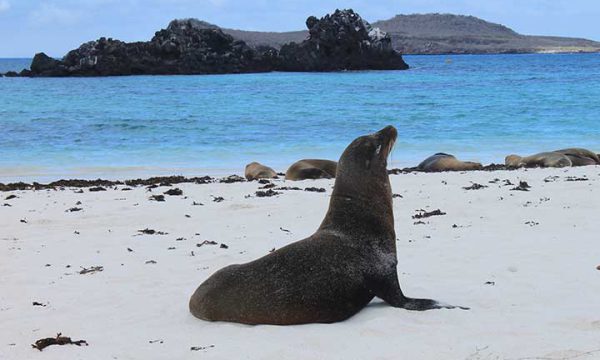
(390, 132)
(387, 136)
(368, 153)
(512, 160)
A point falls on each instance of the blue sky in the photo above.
(56, 26)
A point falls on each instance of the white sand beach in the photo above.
(523, 261)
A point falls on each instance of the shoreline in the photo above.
(233, 177)
(118, 173)
(197, 178)
(48, 174)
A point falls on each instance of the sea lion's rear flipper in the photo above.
(428, 304)
(388, 289)
(579, 160)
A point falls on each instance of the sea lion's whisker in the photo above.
(391, 147)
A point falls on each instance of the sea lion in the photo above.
(311, 169)
(334, 273)
(446, 162)
(545, 159)
(255, 171)
(580, 157)
(578, 160)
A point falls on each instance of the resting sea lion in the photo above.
(332, 274)
(545, 159)
(255, 171)
(578, 160)
(446, 162)
(311, 169)
(581, 157)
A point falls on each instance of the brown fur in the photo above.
(577, 160)
(447, 162)
(581, 157)
(255, 171)
(311, 169)
(545, 159)
(332, 274)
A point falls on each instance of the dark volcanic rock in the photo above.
(43, 64)
(181, 48)
(341, 41)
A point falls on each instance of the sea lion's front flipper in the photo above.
(388, 289)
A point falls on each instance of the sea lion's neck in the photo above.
(368, 212)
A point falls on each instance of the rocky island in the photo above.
(459, 34)
(432, 34)
(340, 41)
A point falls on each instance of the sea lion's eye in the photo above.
(378, 149)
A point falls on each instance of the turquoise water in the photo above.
(476, 107)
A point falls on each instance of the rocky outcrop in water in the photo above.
(181, 48)
(341, 41)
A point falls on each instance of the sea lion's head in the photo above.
(513, 161)
(363, 165)
(362, 194)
